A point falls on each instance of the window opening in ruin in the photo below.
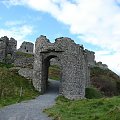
(26, 50)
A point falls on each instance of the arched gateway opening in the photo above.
(51, 73)
(73, 61)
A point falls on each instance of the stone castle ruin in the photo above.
(73, 59)
(26, 47)
(10, 54)
(74, 64)
(7, 49)
(101, 65)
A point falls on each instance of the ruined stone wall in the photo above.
(24, 60)
(73, 62)
(26, 47)
(3, 48)
(26, 72)
(86, 70)
(12, 45)
(9, 54)
(90, 57)
(101, 65)
(54, 61)
(7, 49)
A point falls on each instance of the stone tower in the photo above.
(4, 41)
(7, 49)
(26, 47)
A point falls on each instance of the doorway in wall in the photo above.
(52, 74)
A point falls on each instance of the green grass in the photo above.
(106, 81)
(86, 109)
(91, 93)
(24, 54)
(54, 72)
(14, 88)
(6, 65)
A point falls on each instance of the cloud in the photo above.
(9, 3)
(19, 33)
(96, 20)
(14, 23)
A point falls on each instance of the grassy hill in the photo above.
(104, 85)
(13, 87)
(87, 109)
(106, 81)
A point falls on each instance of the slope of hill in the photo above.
(14, 88)
(106, 81)
(87, 109)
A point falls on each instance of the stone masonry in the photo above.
(26, 47)
(7, 49)
(101, 65)
(73, 59)
(74, 64)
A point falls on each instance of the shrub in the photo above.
(6, 65)
(92, 93)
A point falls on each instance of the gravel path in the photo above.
(32, 109)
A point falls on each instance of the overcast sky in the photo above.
(93, 23)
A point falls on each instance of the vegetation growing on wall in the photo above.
(27, 55)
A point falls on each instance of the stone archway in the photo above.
(74, 64)
(45, 68)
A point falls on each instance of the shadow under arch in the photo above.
(51, 86)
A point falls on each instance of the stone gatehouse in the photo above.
(74, 63)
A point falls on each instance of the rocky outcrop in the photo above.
(26, 72)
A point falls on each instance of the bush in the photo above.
(6, 65)
(91, 93)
